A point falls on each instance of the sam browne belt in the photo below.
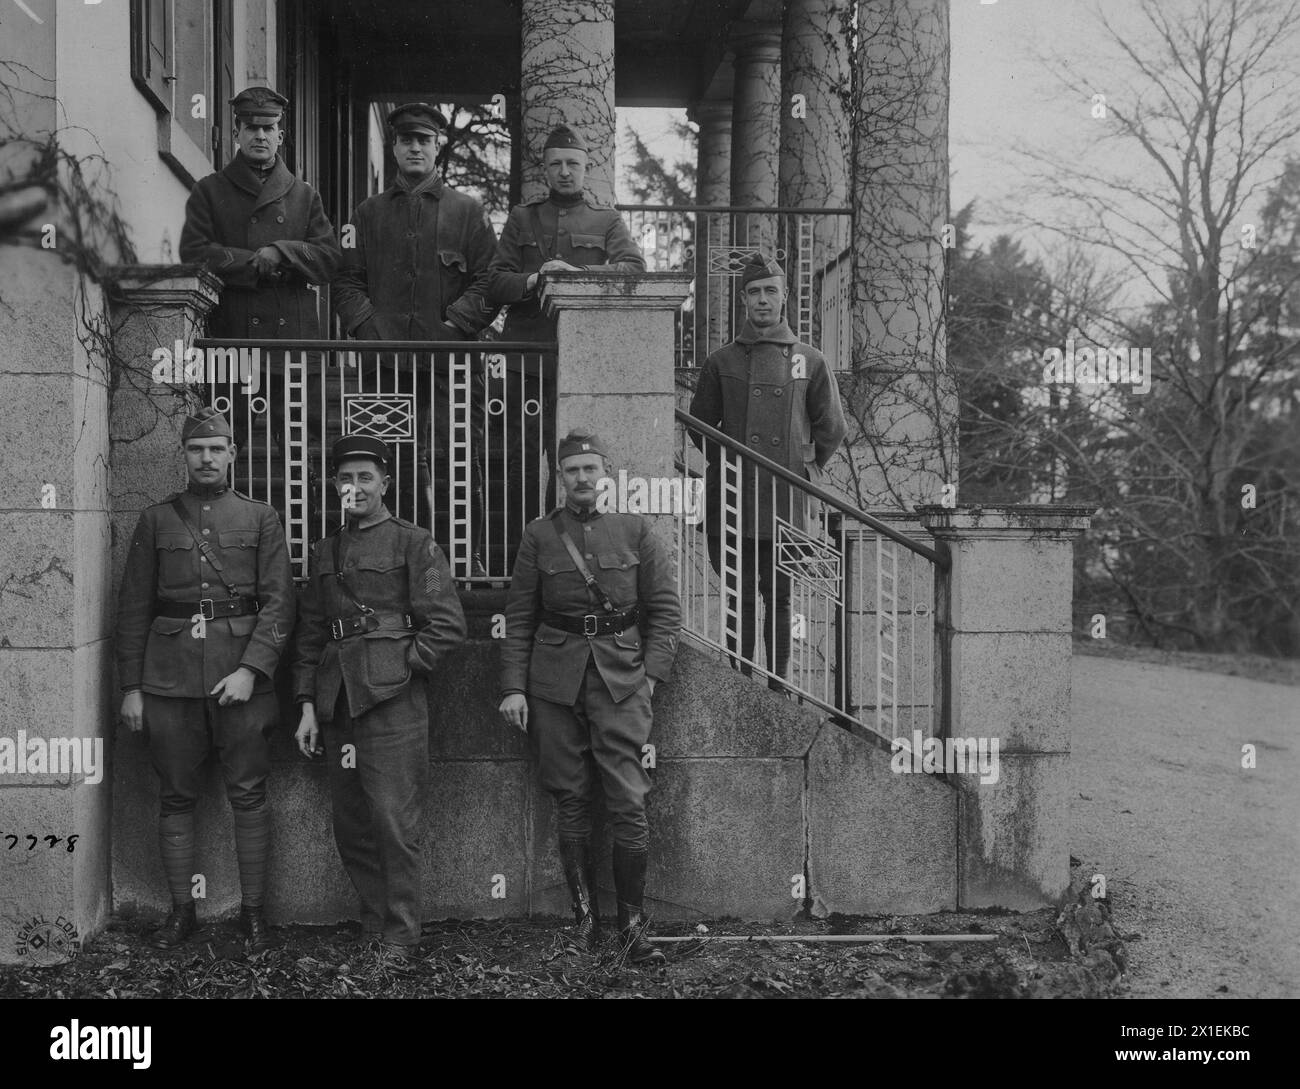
(344, 627)
(592, 623)
(208, 608)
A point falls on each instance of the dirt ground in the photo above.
(1028, 957)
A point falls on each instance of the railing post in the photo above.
(616, 336)
(1007, 645)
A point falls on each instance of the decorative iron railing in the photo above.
(716, 241)
(469, 424)
(824, 601)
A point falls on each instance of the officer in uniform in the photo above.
(379, 615)
(566, 229)
(776, 395)
(419, 271)
(592, 622)
(206, 607)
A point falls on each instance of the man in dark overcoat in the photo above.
(776, 395)
(592, 624)
(205, 610)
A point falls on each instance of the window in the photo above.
(182, 62)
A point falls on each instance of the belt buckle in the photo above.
(206, 609)
(336, 628)
(590, 625)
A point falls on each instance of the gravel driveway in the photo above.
(1201, 856)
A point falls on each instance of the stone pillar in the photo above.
(614, 374)
(900, 203)
(755, 116)
(1005, 638)
(815, 149)
(712, 230)
(567, 75)
(55, 660)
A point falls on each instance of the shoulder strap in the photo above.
(343, 583)
(535, 221)
(209, 553)
(596, 589)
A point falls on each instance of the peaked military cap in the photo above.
(563, 136)
(359, 446)
(207, 423)
(760, 267)
(259, 105)
(417, 117)
(579, 441)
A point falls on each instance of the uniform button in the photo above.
(563, 212)
(776, 393)
(253, 220)
(758, 393)
(207, 508)
(754, 439)
(562, 231)
(587, 556)
(410, 234)
(256, 321)
(205, 585)
(279, 219)
(776, 442)
(206, 532)
(283, 322)
(350, 563)
(203, 559)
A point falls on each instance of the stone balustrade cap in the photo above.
(615, 290)
(192, 285)
(1014, 519)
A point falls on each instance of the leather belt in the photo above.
(593, 623)
(345, 627)
(208, 608)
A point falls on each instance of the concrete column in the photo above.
(1005, 639)
(900, 203)
(55, 659)
(567, 75)
(614, 374)
(712, 230)
(755, 116)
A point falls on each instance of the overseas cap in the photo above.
(563, 136)
(359, 446)
(581, 441)
(417, 117)
(259, 105)
(760, 267)
(207, 423)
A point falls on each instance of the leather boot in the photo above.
(179, 925)
(629, 881)
(253, 927)
(575, 857)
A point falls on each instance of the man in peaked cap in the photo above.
(379, 616)
(205, 609)
(565, 229)
(592, 623)
(776, 395)
(418, 271)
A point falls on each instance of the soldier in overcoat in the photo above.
(205, 609)
(592, 624)
(777, 396)
(378, 617)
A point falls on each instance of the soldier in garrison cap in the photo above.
(418, 271)
(564, 229)
(592, 623)
(776, 395)
(205, 610)
(379, 616)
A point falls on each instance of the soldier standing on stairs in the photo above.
(196, 664)
(591, 628)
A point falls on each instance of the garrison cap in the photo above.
(563, 136)
(760, 267)
(259, 105)
(359, 446)
(580, 441)
(207, 423)
(416, 117)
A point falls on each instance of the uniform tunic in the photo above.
(232, 214)
(370, 696)
(177, 661)
(588, 694)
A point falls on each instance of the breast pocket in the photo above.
(589, 249)
(239, 556)
(618, 575)
(177, 561)
(380, 579)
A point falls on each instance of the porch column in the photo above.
(567, 75)
(904, 393)
(712, 186)
(1004, 634)
(616, 335)
(755, 116)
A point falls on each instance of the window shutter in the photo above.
(151, 51)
